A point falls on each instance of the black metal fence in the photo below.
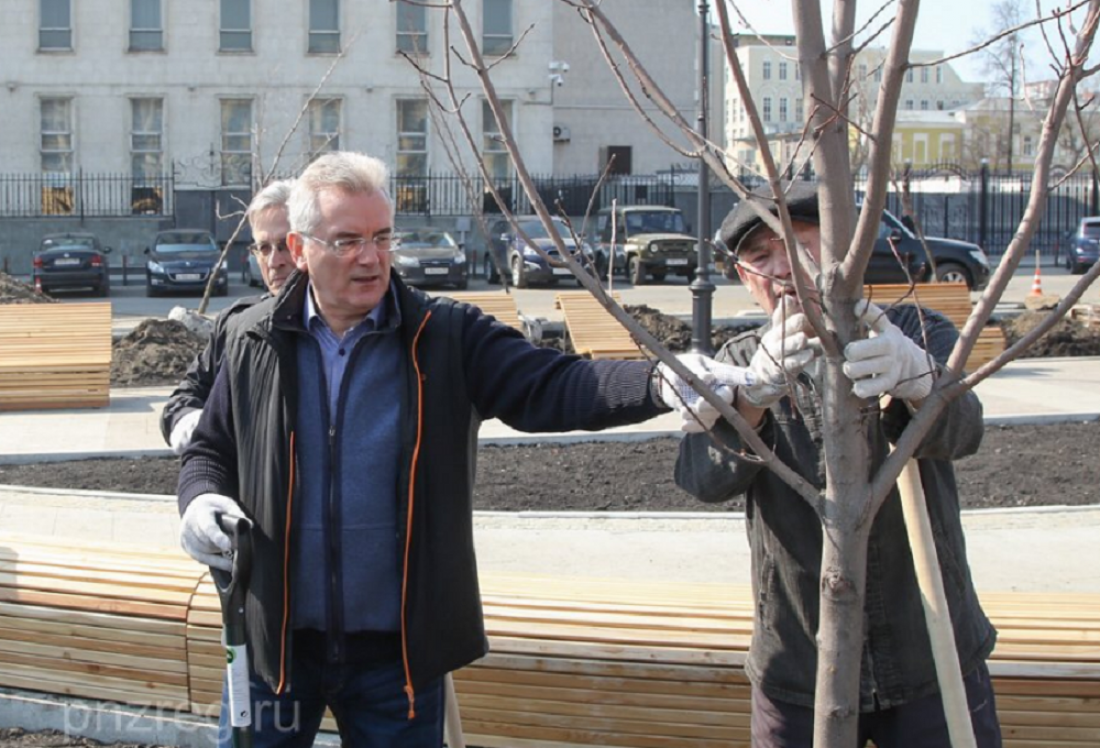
(85, 195)
(980, 207)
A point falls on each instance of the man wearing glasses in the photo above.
(344, 424)
(268, 219)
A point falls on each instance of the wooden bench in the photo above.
(55, 356)
(592, 329)
(574, 662)
(952, 300)
(497, 303)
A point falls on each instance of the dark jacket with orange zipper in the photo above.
(461, 367)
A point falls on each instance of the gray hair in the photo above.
(347, 171)
(274, 195)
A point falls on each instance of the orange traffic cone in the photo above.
(38, 285)
(1037, 284)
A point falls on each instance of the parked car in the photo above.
(183, 260)
(252, 275)
(522, 261)
(430, 257)
(955, 261)
(72, 260)
(1084, 246)
(650, 241)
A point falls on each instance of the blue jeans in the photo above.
(367, 698)
(918, 724)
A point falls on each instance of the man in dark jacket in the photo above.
(268, 220)
(900, 705)
(344, 424)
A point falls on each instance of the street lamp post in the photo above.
(702, 290)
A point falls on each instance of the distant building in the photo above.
(774, 78)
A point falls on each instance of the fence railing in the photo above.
(979, 207)
(85, 195)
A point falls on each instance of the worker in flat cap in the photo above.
(900, 704)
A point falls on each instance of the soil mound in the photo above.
(1066, 338)
(156, 352)
(13, 291)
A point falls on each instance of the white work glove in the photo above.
(200, 534)
(887, 362)
(696, 414)
(183, 431)
(785, 350)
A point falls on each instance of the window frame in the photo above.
(332, 137)
(498, 154)
(320, 34)
(227, 154)
(223, 31)
(419, 38)
(402, 135)
(154, 33)
(43, 29)
(766, 70)
(766, 109)
(66, 133)
(135, 133)
(504, 46)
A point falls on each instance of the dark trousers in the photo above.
(918, 724)
(366, 695)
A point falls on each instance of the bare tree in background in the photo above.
(1003, 63)
(855, 487)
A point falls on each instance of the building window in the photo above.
(782, 71)
(767, 70)
(324, 26)
(412, 28)
(862, 71)
(55, 30)
(924, 105)
(1029, 146)
(236, 26)
(146, 31)
(57, 156)
(939, 74)
(146, 155)
(783, 109)
(236, 141)
(798, 110)
(909, 75)
(496, 27)
(767, 108)
(412, 137)
(617, 159)
(493, 152)
(797, 73)
(939, 105)
(878, 74)
(947, 148)
(324, 126)
(924, 75)
(146, 138)
(909, 105)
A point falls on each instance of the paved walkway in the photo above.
(1009, 550)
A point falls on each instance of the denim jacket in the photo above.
(785, 537)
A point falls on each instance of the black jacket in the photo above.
(462, 367)
(785, 537)
(194, 388)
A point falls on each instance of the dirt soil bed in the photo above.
(1048, 465)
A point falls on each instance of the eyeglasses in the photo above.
(346, 245)
(266, 249)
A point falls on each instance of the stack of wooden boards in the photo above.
(55, 356)
(497, 303)
(575, 662)
(591, 328)
(952, 300)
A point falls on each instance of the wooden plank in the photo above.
(594, 332)
(500, 304)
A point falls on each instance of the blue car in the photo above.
(72, 260)
(182, 260)
(1084, 246)
(525, 264)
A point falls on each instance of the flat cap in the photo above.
(801, 202)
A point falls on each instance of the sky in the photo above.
(948, 25)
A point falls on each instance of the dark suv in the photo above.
(1084, 246)
(72, 260)
(956, 261)
(182, 260)
(650, 240)
(522, 261)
